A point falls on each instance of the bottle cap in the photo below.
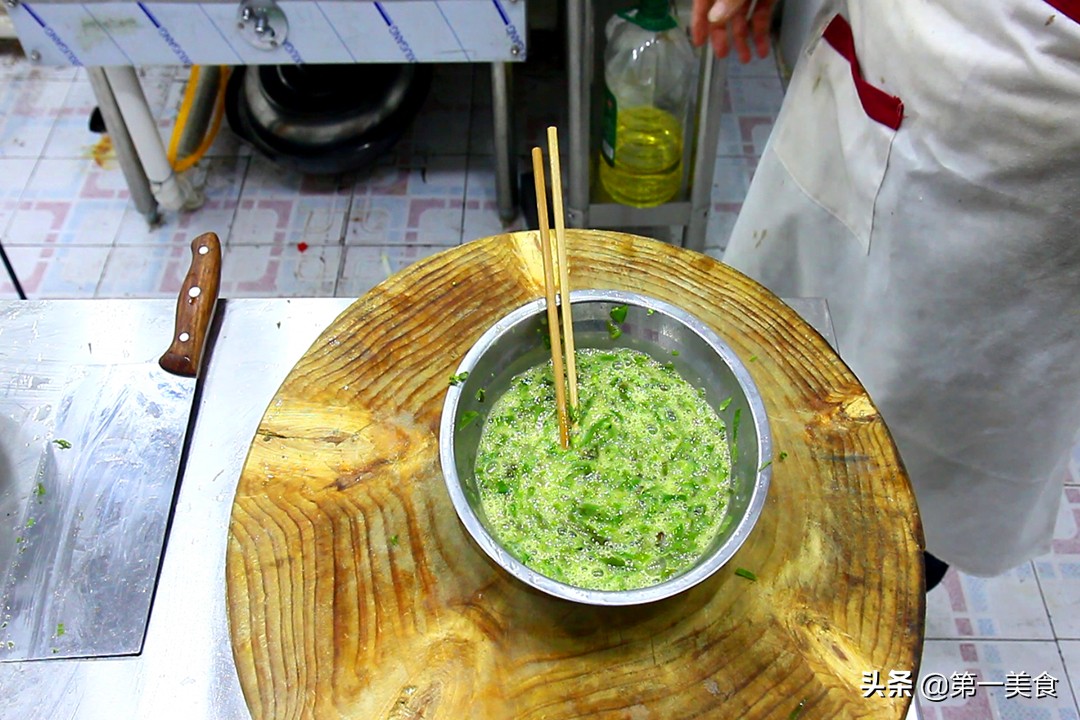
(652, 15)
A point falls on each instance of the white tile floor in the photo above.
(71, 231)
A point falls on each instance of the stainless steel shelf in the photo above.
(584, 207)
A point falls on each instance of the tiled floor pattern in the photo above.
(71, 231)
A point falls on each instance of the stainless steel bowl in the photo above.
(514, 344)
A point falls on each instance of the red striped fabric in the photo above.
(879, 105)
(1070, 8)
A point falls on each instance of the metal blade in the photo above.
(83, 526)
(90, 449)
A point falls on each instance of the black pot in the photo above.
(325, 119)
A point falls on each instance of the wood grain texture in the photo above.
(354, 592)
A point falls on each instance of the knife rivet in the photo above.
(194, 292)
(184, 337)
(203, 249)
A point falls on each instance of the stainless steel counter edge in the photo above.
(186, 667)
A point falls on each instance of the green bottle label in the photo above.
(608, 127)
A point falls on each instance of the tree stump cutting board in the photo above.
(354, 591)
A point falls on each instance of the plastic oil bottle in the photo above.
(648, 78)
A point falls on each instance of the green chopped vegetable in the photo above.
(723, 405)
(614, 330)
(735, 435)
(60, 630)
(467, 419)
(675, 353)
(637, 496)
(30, 522)
(765, 465)
(650, 311)
(459, 378)
(394, 540)
(599, 426)
(753, 358)
(480, 395)
(10, 645)
(618, 313)
(783, 456)
(62, 444)
(797, 712)
(40, 490)
(744, 573)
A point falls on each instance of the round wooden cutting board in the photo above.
(354, 591)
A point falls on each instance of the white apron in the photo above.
(948, 248)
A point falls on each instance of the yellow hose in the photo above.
(180, 165)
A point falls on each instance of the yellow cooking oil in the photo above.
(647, 164)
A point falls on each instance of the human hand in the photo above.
(747, 20)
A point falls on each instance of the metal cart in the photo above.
(113, 37)
(586, 205)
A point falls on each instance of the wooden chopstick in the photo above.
(549, 293)
(564, 268)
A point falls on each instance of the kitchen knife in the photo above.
(93, 429)
(195, 308)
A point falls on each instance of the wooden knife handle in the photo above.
(195, 307)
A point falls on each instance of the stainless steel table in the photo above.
(186, 668)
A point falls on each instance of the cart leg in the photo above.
(173, 191)
(578, 70)
(137, 182)
(503, 123)
(11, 273)
(714, 79)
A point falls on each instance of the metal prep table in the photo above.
(112, 37)
(186, 667)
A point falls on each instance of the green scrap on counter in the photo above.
(62, 444)
(60, 630)
(459, 378)
(636, 499)
(744, 573)
(39, 490)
